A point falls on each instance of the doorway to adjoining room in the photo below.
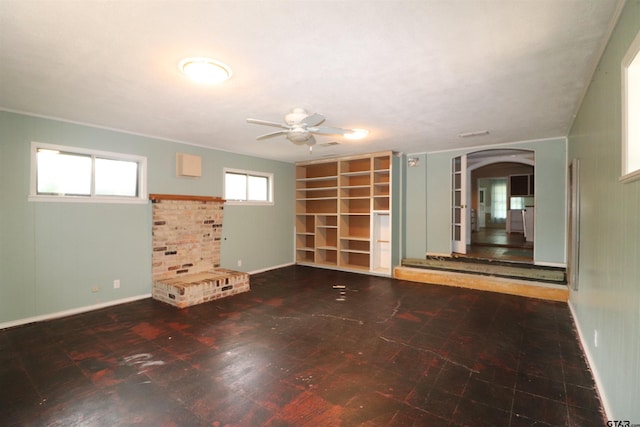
(501, 206)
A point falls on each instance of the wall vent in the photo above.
(188, 165)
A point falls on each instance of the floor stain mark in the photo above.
(438, 355)
(393, 314)
(330, 316)
(142, 359)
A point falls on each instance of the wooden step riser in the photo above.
(525, 288)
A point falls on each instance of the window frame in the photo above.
(632, 55)
(142, 194)
(267, 175)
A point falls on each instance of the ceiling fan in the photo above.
(300, 126)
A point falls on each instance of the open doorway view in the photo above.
(501, 205)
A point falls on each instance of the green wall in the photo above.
(428, 214)
(415, 212)
(52, 253)
(608, 299)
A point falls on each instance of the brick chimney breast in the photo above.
(187, 233)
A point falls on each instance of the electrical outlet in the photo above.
(95, 289)
(595, 338)
(239, 263)
(116, 284)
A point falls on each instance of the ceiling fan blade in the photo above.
(267, 123)
(272, 134)
(311, 141)
(313, 120)
(328, 130)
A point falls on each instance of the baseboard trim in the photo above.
(274, 267)
(84, 309)
(346, 269)
(550, 264)
(71, 312)
(592, 365)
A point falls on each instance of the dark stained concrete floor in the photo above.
(295, 352)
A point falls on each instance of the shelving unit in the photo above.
(339, 203)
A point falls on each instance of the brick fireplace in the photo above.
(187, 233)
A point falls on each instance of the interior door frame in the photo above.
(573, 227)
(459, 199)
(460, 246)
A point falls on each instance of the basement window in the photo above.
(248, 187)
(631, 113)
(70, 174)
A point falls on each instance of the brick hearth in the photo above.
(187, 232)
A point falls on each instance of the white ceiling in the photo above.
(415, 73)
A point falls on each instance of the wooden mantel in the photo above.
(186, 197)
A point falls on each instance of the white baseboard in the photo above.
(71, 312)
(102, 305)
(384, 273)
(592, 365)
(274, 267)
(550, 264)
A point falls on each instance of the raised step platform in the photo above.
(197, 288)
(488, 275)
(489, 267)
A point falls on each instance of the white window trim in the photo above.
(634, 50)
(141, 198)
(267, 175)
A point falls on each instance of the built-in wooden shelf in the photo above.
(336, 201)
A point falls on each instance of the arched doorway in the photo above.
(495, 207)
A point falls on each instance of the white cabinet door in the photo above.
(381, 242)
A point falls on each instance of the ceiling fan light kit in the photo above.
(356, 134)
(300, 127)
(205, 70)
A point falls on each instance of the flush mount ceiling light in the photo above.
(205, 70)
(356, 134)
